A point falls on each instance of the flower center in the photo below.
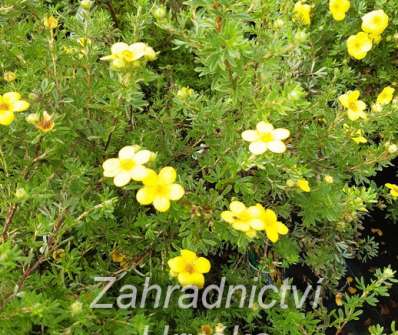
(127, 164)
(127, 55)
(267, 137)
(4, 107)
(189, 268)
(162, 190)
(353, 106)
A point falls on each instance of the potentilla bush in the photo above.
(192, 143)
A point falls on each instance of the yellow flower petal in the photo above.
(20, 106)
(11, 97)
(257, 148)
(122, 179)
(281, 134)
(237, 206)
(145, 195)
(143, 156)
(188, 255)
(272, 234)
(161, 204)
(282, 229)
(276, 147)
(264, 127)
(6, 118)
(128, 152)
(194, 279)
(111, 167)
(202, 265)
(167, 175)
(138, 173)
(250, 135)
(176, 192)
(177, 264)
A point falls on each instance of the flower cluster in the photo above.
(252, 219)
(373, 25)
(158, 189)
(356, 108)
(124, 56)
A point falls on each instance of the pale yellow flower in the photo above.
(375, 22)
(128, 166)
(265, 137)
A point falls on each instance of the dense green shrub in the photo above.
(220, 68)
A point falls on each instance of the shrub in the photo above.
(232, 139)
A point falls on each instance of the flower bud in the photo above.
(86, 4)
(20, 193)
(50, 22)
(184, 92)
(392, 148)
(300, 36)
(76, 308)
(9, 76)
(278, 23)
(328, 179)
(159, 12)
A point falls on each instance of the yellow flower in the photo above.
(339, 8)
(359, 45)
(252, 219)
(9, 103)
(265, 137)
(189, 268)
(386, 96)
(9, 76)
(184, 92)
(376, 38)
(243, 218)
(129, 165)
(45, 123)
(358, 139)
(272, 227)
(375, 22)
(159, 189)
(124, 54)
(393, 190)
(302, 13)
(355, 107)
(303, 185)
(50, 22)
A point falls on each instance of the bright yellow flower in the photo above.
(189, 268)
(9, 103)
(386, 96)
(159, 189)
(302, 13)
(50, 22)
(272, 227)
(124, 55)
(45, 122)
(265, 137)
(355, 107)
(359, 45)
(375, 22)
(129, 165)
(9, 76)
(339, 8)
(393, 190)
(358, 139)
(243, 218)
(303, 185)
